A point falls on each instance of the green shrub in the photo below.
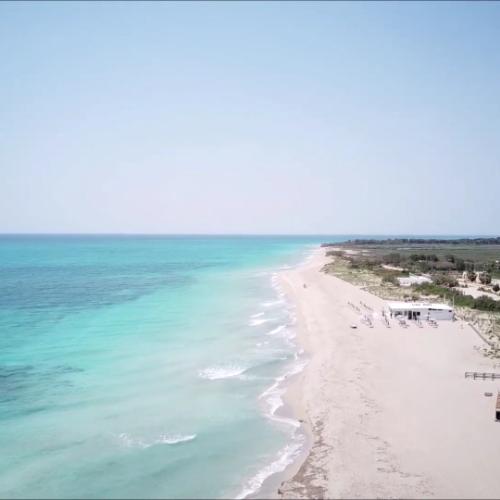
(445, 280)
(390, 278)
(423, 267)
(485, 303)
(485, 278)
(471, 275)
(392, 258)
(335, 253)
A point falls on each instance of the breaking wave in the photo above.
(169, 439)
(221, 372)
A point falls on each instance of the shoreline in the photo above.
(388, 411)
(295, 387)
(291, 383)
(287, 414)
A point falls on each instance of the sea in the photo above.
(146, 366)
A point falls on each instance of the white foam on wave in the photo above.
(259, 321)
(221, 372)
(273, 398)
(291, 451)
(296, 368)
(297, 354)
(284, 458)
(273, 394)
(257, 315)
(275, 283)
(284, 333)
(169, 439)
(310, 256)
(273, 303)
(277, 330)
(175, 438)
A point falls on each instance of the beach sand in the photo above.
(389, 411)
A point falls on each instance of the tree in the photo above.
(485, 303)
(460, 265)
(390, 278)
(450, 258)
(423, 267)
(445, 280)
(485, 278)
(471, 276)
(392, 258)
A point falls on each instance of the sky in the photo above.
(258, 117)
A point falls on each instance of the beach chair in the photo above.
(497, 409)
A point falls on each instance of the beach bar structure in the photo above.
(420, 310)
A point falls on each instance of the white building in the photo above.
(413, 279)
(420, 310)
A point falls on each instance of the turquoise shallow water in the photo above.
(143, 366)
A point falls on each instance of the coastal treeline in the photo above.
(421, 241)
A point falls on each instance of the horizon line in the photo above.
(401, 235)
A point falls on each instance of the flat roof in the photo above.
(418, 305)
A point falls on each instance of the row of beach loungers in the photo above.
(402, 322)
(418, 322)
(367, 318)
(368, 308)
(354, 306)
(385, 319)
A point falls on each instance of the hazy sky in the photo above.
(250, 117)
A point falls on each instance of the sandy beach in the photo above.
(389, 410)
